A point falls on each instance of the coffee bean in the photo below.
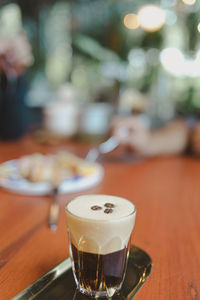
(96, 207)
(109, 205)
(108, 211)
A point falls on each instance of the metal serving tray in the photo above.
(58, 283)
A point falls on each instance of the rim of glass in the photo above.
(93, 220)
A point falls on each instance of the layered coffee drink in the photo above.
(99, 228)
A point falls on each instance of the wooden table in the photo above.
(166, 192)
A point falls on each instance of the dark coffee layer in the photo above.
(99, 272)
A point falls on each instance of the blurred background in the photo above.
(87, 60)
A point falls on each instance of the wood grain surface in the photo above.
(166, 192)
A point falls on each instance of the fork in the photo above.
(54, 210)
(103, 148)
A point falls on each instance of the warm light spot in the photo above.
(131, 21)
(189, 2)
(151, 17)
(198, 27)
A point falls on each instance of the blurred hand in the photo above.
(167, 140)
(132, 132)
(15, 55)
(195, 139)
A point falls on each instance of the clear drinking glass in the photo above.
(99, 228)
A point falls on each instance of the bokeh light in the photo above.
(178, 64)
(198, 27)
(172, 60)
(189, 2)
(131, 21)
(151, 17)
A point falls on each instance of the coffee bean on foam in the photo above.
(95, 231)
(96, 207)
(108, 211)
(109, 205)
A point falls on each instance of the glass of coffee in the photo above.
(99, 228)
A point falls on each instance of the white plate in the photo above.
(14, 183)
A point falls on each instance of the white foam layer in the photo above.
(95, 231)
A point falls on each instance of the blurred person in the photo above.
(133, 133)
(15, 58)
